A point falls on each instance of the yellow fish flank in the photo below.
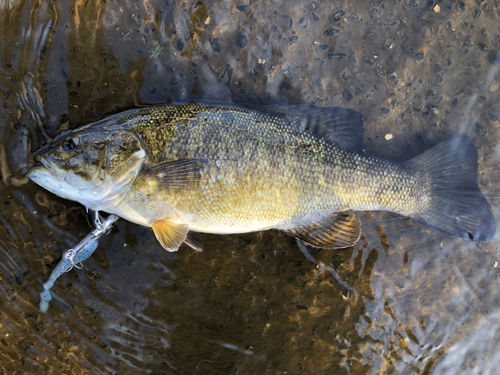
(227, 168)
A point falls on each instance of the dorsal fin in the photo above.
(339, 231)
(343, 126)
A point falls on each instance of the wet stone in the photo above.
(63, 118)
(385, 110)
(438, 79)
(410, 4)
(494, 58)
(479, 129)
(419, 56)
(241, 40)
(483, 46)
(387, 44)
(322, 48)
(378, 9)
(215, 43)
(492, 116)
(285, 85)
(336, 56)
(179, 44)
(330, 31)
(337, 15)
(347, 95)
(303, 23)
(370, 33)
(356, 17)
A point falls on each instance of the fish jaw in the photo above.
(53, 182)
(95, 199)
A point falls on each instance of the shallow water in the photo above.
(407, 299)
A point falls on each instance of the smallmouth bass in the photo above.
(226, 168)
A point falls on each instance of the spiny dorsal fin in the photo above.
(170, 235)
(340, 231)
(177, 174)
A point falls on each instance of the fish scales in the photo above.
(226, 168)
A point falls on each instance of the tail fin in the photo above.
(457, 206)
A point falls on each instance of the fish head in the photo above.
(95, 168)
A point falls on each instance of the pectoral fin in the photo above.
(175, 175)
(170, 235)
(342, 230)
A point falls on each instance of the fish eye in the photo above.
(70, 143)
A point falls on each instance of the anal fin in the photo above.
(339, 231)
(170, 235)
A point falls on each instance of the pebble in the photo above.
(241, 40)
(347, 95)
(494, 58)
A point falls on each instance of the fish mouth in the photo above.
(35, 171)
(37, 157)
(28, 169)
(51, 164)
(56, 169)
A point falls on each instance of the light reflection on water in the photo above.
(406, 299)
